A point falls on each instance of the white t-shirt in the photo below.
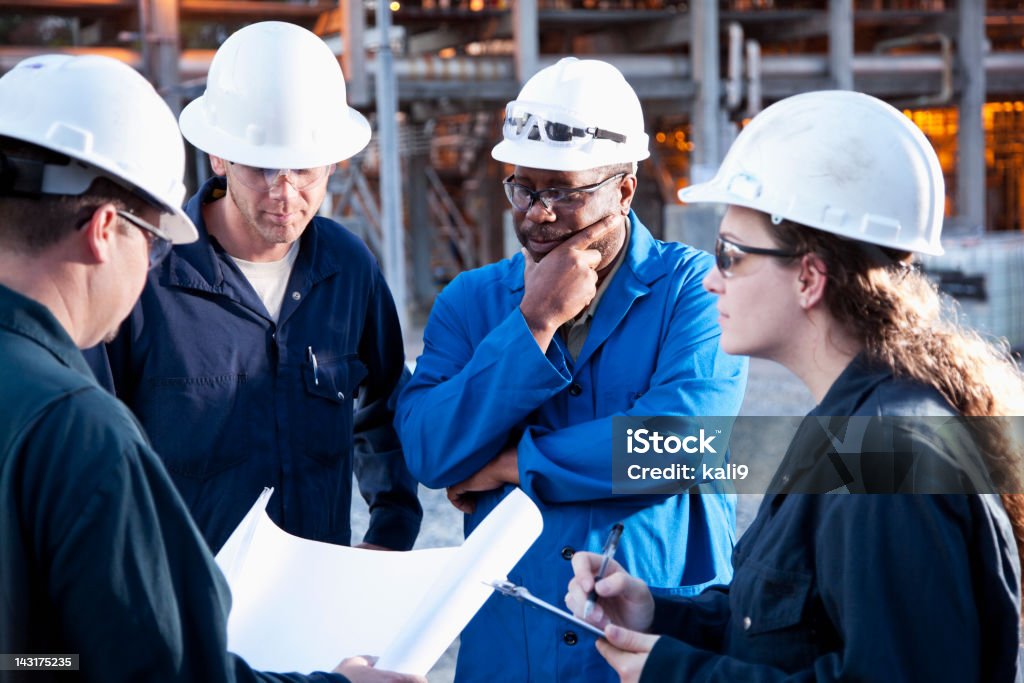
(270, 279)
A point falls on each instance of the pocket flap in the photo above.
(335, 380)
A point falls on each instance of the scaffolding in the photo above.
(701, 67)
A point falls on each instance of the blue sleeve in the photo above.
(384, 479)
(456, 413)
(693, 376)
(894, 573)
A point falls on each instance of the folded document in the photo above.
(300, 605)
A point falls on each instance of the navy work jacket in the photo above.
(863, 587)
(233, 402)
(98, 555)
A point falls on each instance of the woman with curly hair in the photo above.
(829, 194)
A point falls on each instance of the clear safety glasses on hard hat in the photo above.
(522, 198)
(728, 255)
(159, 243)
(523, 120)
(262, 179)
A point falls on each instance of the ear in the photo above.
(98, 232)
(627, 191)
(812, 280)
(219, 166)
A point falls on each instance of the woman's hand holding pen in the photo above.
(624, 609)
(623, 599)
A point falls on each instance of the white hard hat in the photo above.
(275, 98)
(103, 114)
(840, 161)
(575, 115)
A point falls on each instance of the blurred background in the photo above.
(434, 76)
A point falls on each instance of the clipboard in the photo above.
(520, 593)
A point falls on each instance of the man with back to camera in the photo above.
(526, 360)
(249, 349)
(99, 557)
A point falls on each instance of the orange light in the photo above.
(446, 52)
(476, 5)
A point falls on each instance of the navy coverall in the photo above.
(865, 587)
(232, 402)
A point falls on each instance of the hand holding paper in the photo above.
(362, 670)
(300, 605)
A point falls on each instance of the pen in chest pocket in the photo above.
(311, 357)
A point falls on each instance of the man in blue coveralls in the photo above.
(249, 349)
(526, 360)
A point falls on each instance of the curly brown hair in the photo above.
(896, 313)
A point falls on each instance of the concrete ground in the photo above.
(771, 391)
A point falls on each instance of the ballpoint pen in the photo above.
(609, 549)
(316, 367)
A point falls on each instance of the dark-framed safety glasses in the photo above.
(522, 198)
(729, 254)
(560, 129)
(159, 243)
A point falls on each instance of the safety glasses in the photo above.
(562, 130)
(729, 255)
(262, 179)
(522, 198)
(159, 243)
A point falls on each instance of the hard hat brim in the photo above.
(712, 192)
(178, 226)
(534, 154)
(343, 141)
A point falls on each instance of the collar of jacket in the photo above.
(29, 318)
(854, 384)
(866, 388)
(643, 258)
(200, 265)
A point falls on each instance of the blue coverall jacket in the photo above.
(482, 380)
(863, 587)
(231, 401)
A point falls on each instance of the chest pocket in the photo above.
(192, 422)
(767, 599)
(324, 421)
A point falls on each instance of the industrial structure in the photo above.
(436, 74)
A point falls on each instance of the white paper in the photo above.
(300, 605)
